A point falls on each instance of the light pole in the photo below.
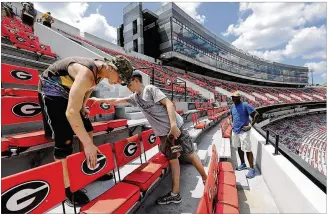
(311, 70)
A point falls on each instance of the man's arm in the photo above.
(174, 130)
(78, 90)
(255, 115)
(111, 101)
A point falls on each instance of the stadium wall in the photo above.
(101, 42)
(301, 195)
(65, 47)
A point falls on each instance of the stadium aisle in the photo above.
(191, 187)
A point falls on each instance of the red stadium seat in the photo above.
(28, 139)
(149, 141)
(224, 208)
(21, 92)
(33, 191)
(45, 49)
(19, 75)
(99, 108)
(225, 167)
(228, 132)
(20, 110)
(119, 199)
(99, 126)
(227, 195)
(112, 124)
(4, 144)
(202, 207)
(145, 175)
(227, 178)
(3, 92)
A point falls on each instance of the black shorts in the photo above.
(184, 140)
(46, 24)
(57, 126)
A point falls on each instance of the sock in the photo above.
(173, 194)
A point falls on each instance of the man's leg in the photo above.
(195, 159)
(236, 143)
(246, 146)
(175, 175)
(173, 196)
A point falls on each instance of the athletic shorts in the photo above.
(242, 140)
(56, 125)
(184, 140)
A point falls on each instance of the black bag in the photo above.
(175, 148)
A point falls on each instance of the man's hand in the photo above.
(85, 112)
(246, 128)
(174, 131)
(91, 155)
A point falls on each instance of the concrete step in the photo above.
(135, 115)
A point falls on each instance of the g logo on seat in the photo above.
(101, 163)
(168, 82)
(26, 109)
(152, 138)
(130, 149)
(105, 106)
(21, 75)
(25, 197)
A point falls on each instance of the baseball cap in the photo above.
(123, 66)
(236, 94)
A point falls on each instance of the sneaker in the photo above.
(106, 177)
(167, 199)
(80, 198)
(251, 173)
(241, 167)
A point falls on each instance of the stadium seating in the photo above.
(19, 75)
(33, 191)
(196, 123)
(118, 199)
(146, 174)
(220, 193)
(303, 136)
(149, 141)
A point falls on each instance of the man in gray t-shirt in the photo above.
(162, 116)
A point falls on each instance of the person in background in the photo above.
(241, 129)
(63, 91)
(47, 19)
(28, 14)
(161, 114)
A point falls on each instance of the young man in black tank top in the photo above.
(64, 89)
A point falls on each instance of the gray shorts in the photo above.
(184, 140)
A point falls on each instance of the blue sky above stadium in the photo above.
(292, 33)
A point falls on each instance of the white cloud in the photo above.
(191, 10)
(275, 55)
(319, 68)
(308, 41)
(74, 14)
(272, 24)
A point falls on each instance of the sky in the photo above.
(290, 33)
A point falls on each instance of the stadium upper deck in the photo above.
(173, 31)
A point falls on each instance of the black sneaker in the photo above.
(106, 177)
(80, 198)
(167, 199)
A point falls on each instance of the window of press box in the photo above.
(134, 27)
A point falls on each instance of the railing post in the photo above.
(185, 90)
(276, 152)
(267, 137)
(172, 90)
(152, 75)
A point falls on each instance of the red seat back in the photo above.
(99, 108)
(19, 75)
(20, 110)
(202, 207)
(33, 191)
(127, 150)
(149, 139)
(210, 189)
(81, 175)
